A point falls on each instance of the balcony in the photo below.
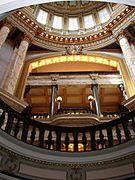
(67, 139)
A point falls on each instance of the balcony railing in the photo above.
(77, 111)
(67, 139)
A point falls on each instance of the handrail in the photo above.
(67, 139)
(74, 110)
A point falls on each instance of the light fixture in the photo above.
(59, 99)
(90, 98)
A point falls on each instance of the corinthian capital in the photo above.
(121, 34)
(27, 38)
(8, 24)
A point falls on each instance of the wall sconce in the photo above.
(59, 99)
(91, 99)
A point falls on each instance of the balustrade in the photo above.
(80, 110)
(67, 139)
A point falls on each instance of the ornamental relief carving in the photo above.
(11, 161)
(76, 174)
(9, 164)
(74, 49)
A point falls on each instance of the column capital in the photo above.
(94, 85)
(120, 35)
(26, 38)
(54, 85)
(8, 24)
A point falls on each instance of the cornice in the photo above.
(51, 40)
(62, 165)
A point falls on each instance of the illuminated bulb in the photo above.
(127, 9)
(90, 98)
(42, 34)
(32, 23)
(36, 26)
(114, 21)
(24, 16)
(28, 20)
(19, 13)
(90, 37)
(61, 39)
(59, 98)
(105, 32)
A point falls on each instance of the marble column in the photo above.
(128, 54)
(6, 79)
(4, 33)
(94, 88)
(53, 97)
(15, 70)
(133, 47)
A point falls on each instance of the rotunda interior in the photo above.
(67, 70)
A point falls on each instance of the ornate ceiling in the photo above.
(74, 7)
(8, 5)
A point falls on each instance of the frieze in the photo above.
(117, 30)
(21, 26)
(14, 164)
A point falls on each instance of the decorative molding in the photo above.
(72, 80)
(62, 165)
(123, 25)
(12, 101)
(76, 174)
(58, 42)
(74, 49)
(129, 103)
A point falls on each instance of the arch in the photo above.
(92, 57)
(8, 5)
(72, 58)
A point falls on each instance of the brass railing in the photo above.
(67, 139)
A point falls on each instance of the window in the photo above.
(57, 22)
(73, 24)
(104, 15)
(89, 21)
(42, 17)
